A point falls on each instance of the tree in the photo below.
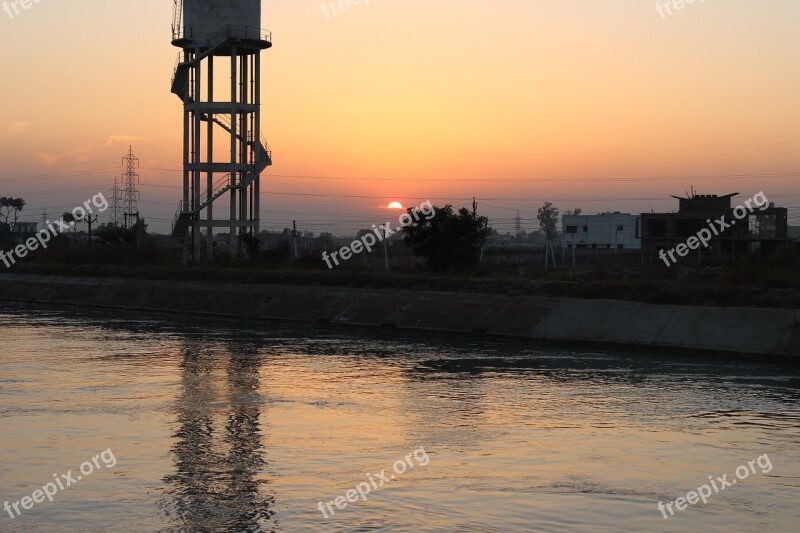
(251, 244)
(110, 235)
(447, 240)
(10, 206)
(548, 222)
(69, 218)
(327, 240)
(140, 230)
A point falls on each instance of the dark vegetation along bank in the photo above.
(764, 282)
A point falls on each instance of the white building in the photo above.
(608, 230)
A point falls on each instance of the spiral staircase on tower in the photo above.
(262, 158)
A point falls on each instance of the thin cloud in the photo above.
(17, 127)
(113, 139)
(80, 155)
(47, 159)
(84, 154)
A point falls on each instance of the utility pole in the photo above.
(294, 238)
(90, 221)
(549, 254)
(483, 246)
(385, 250)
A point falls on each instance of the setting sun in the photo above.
(395, 205)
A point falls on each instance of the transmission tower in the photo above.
(116, 206)
(130, 195)
(518, 225)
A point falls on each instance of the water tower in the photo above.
(218, 78)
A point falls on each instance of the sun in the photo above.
(395, 205)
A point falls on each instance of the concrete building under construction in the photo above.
(218, 78)
(762, 229)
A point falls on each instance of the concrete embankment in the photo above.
(760, 332)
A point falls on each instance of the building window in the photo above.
(586, 229)
(620, 228)
(572, 230)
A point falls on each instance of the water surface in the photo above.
(219, 426)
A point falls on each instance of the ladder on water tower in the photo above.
(177, 18)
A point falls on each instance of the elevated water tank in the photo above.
(198, 22)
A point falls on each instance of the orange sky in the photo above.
(424, 99)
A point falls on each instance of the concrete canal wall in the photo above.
(759, 332)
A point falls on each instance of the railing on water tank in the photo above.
(228, 31)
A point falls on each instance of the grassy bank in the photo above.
(699, 292)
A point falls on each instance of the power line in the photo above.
(318, 195)
(54, 191)
(55, 176)
(494, 179)
(368, 197)
(754, 175)
(562, 180)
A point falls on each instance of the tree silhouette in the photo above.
(548, 222)
(70, 219)
(10, 206)
(448, 240)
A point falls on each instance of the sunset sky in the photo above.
(603, 105)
